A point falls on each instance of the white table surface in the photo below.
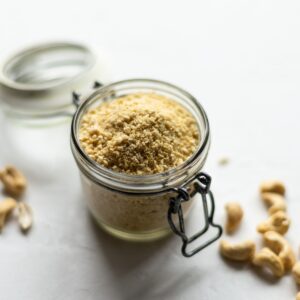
(241, 59)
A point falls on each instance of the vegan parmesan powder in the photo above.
(139, 134)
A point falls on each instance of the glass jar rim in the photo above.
(36, 83)
(137, 183)
(31, 54)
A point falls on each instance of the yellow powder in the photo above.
(142, 133)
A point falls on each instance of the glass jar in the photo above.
(145, 207)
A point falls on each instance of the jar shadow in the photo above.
(136, 267)
(122, 254)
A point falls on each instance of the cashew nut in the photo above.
(278, 222)
(282, 248)
(24, 216)
(274, 201)
(266, 258)
(234, 216)
(6, 206)
(238, 252)
(298, 296)
(296, 272)
(13, 180)
(272, 186)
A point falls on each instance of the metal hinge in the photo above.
(202, 186)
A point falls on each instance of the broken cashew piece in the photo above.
(25, 218)
(13, 180)
(278, 222)
(280, 246)
(239, 251)
(234, 216)
(274, 201)
(272, 186)
(6, 207)
(266, 258)
(223, 161)
(296, 272)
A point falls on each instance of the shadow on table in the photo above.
(141, 270)
(261, 273)
(123, 254)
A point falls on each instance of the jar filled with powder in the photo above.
(140, 146)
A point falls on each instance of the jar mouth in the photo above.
(148, 182)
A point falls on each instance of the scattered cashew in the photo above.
(266, 258)
(296, 272)
(298, 296)
(280, 246)
(6, 206)
(238, 252)
(223, 161)
(13, 180)
(278, 222)
(272, 186)
(24, 216)
(234, 216)
(274, 201)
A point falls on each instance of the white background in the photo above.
(241, 59)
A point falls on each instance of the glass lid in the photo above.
(39, 81)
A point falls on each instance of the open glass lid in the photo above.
(38, 82)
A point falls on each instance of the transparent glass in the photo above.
(36, 84)
(131, 206)
(46, 66)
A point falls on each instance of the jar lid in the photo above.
(38, 82)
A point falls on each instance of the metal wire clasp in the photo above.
(76, 97)
(202, 186)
